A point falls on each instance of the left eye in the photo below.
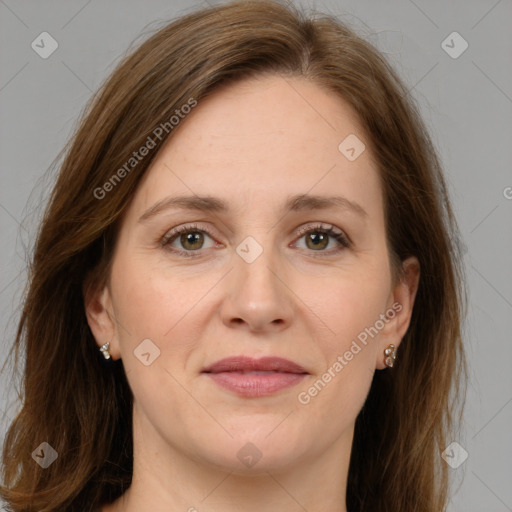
(192, 239)
(317, 237)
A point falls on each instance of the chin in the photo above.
(253, 452)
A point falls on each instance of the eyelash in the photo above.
(316, 228)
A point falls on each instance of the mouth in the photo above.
(250, 377)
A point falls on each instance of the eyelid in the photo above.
(332, 231)
(324, 226)
(184, 229)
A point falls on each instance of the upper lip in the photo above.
(244, 363)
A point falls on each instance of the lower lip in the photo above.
(256, 385)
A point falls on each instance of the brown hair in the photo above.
(81, 404)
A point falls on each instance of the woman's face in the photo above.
(254, 275)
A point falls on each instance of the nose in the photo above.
(258, 297)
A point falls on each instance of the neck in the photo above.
(165, 478)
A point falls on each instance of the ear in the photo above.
(98, 308)
(400, 308)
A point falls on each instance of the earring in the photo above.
(104, 350)
(390, 353)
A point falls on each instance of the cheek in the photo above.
(150, 305)
(351, 308)
(353, 303)
(150, 300)
(165, 306)
(341, 384)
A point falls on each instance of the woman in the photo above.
(245, 293)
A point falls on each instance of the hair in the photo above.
(81, 404)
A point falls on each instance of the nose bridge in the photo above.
(255, 260)
(257, 292)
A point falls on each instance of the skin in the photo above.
(252, 144)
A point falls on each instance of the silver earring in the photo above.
(104, 350)
(390, 353)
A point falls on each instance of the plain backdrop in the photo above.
(466, 102)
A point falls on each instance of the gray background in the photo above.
(466, 103)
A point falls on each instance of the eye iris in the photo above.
(194, 240)
(191, 238)
(318, 237)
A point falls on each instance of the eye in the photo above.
(317, 238)
(190, 237)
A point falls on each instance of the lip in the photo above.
(249, 377)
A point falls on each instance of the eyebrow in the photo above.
(296, 203)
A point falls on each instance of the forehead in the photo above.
(283, 112)
(263, 138)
